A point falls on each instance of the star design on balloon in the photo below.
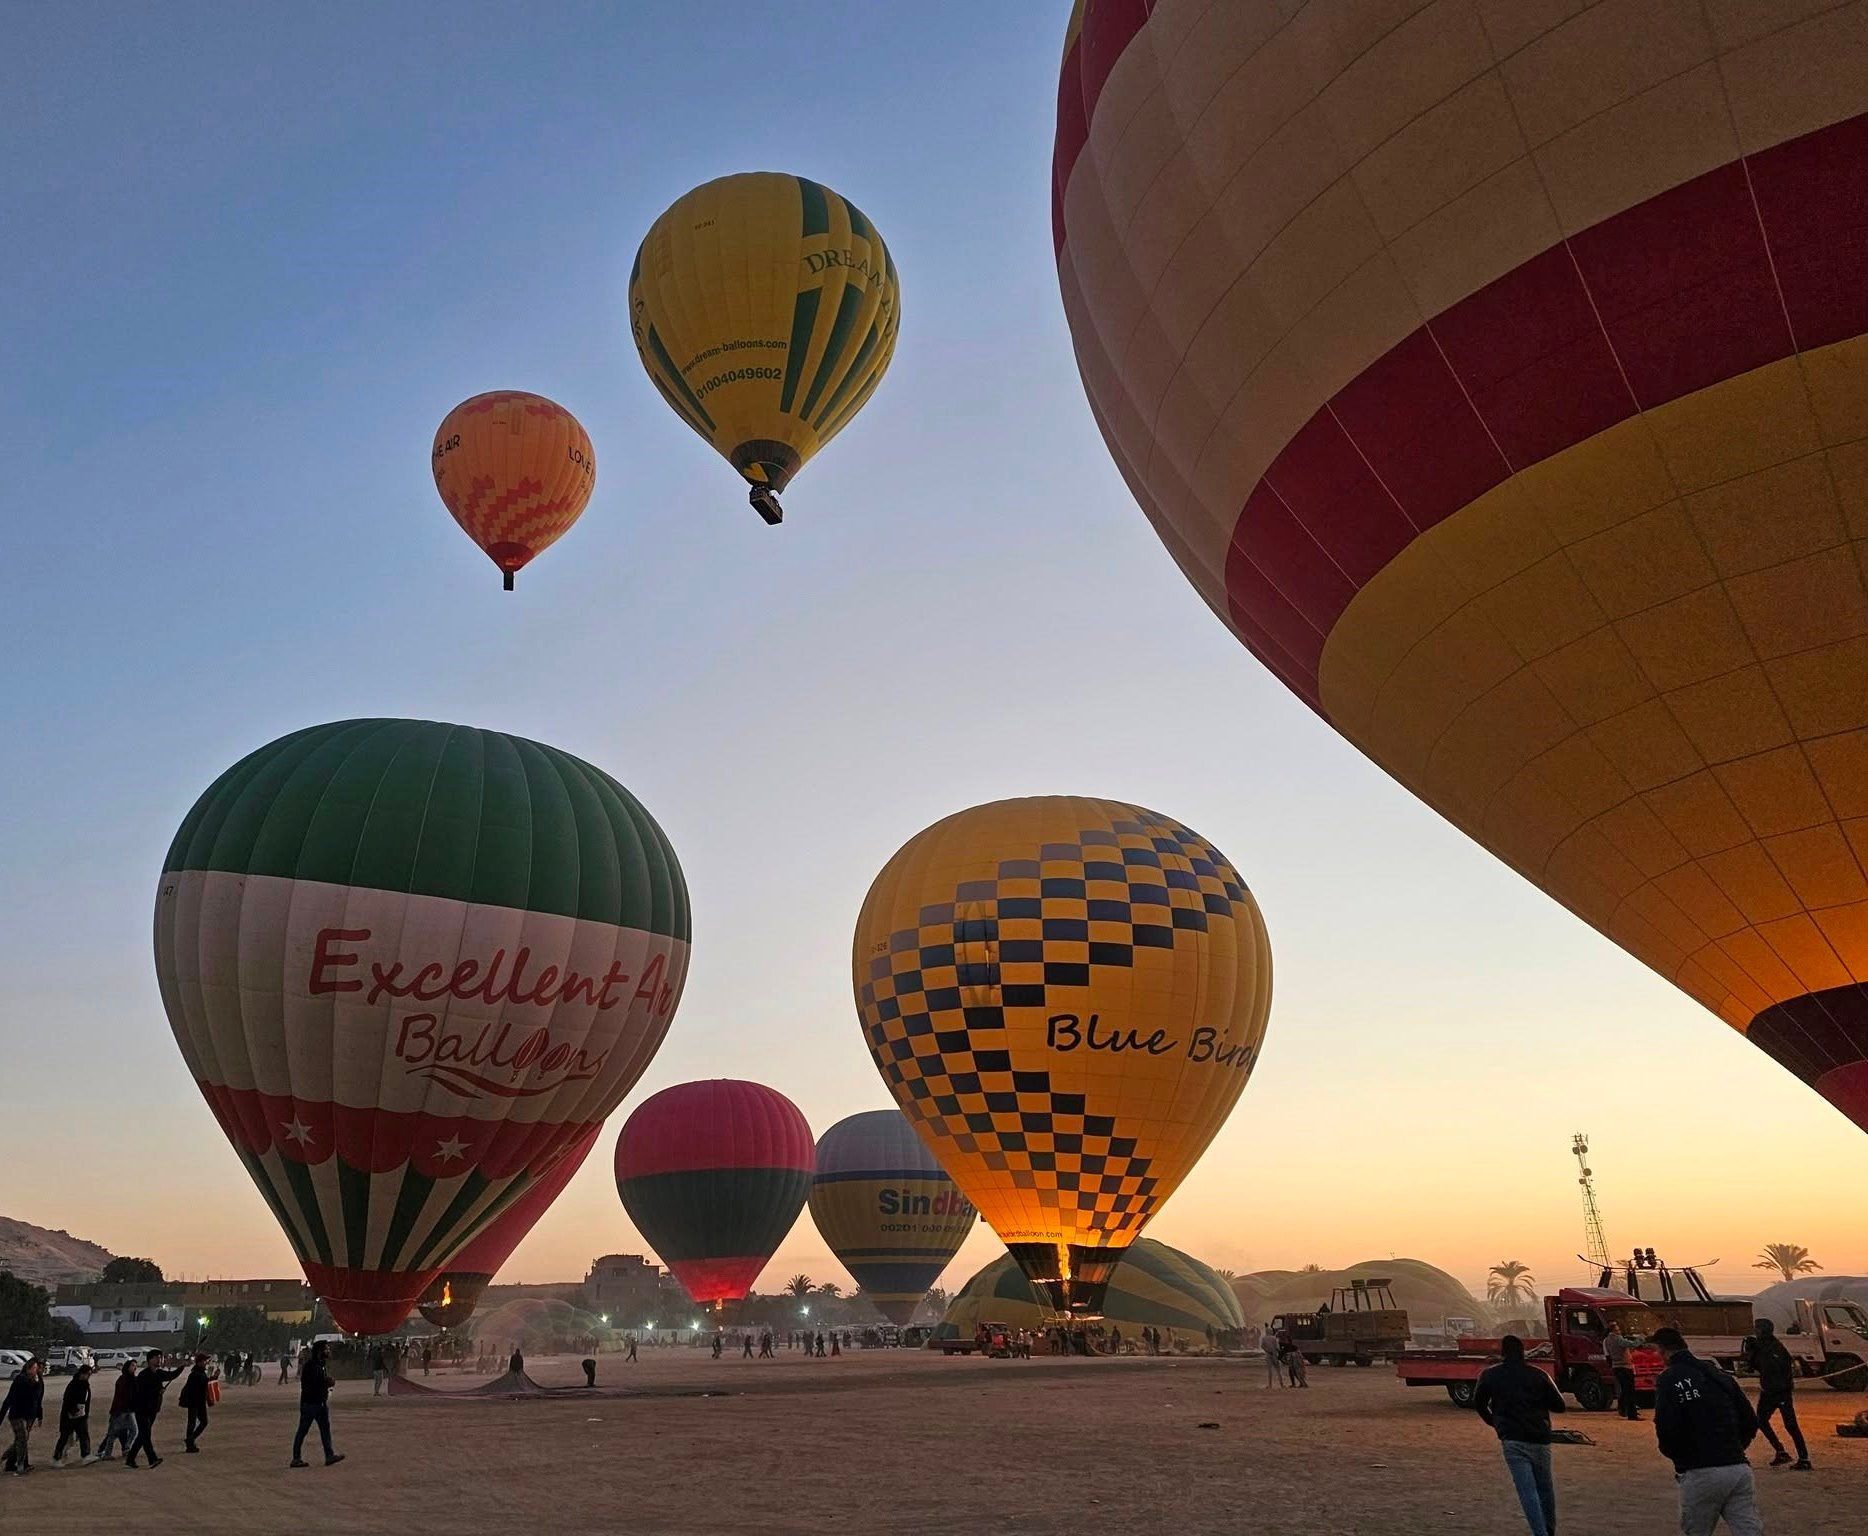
(296, 1130)
(450, 1149)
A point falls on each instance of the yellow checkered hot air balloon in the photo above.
(764, 308)
(1066, 997)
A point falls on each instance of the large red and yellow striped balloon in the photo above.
(1497, 373)
(515, 470)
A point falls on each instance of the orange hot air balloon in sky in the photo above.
(515, 470)
(1499, 375)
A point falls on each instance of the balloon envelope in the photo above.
(886, 1207)
(454, 1293)
(409, 965)
(1154, 1286)
(1066, 997)
(1503, 386)
(713, 1174)
(764, 308)
(515, 470)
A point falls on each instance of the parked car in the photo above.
(12, 1362)
(64, 1359)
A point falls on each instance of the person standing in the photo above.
(285, 1366)
(24, 1407)
(515, 1362)
(1702, 1422)
(428, 1357)
(1517, 1400)
(194, 1400)
(1777, 1380)
(1616, 1347)
(146, 1403)
(1274, 1365)
(379, 1370)
(121, 1430)
(74, 1418)
(314, 1405)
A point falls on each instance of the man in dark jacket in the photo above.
(1777, 1381)
(74, 1418)
(194, 1398)
(314, 1405)
(146, 1402)
(24, 1407)
(1517, 1400)
(1703, 1421)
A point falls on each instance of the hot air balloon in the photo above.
(1155, 1286)
(887, 1209)
(713, 1174)
(515, 470)
(764, 308)
(1066, 997)
(411, 966)
(454, 1293)
(1500, 378)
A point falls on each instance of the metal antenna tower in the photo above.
(1593, 1238)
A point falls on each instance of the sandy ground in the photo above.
(902, 1441)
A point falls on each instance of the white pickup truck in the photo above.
(1829, 1339)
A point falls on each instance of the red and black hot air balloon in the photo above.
(713, 1174)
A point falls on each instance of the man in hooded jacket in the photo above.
(1703, 1421)
(1777, 1384)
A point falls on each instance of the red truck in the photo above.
(1578, 1320)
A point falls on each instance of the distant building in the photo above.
(138, 1311)
(630, 1291)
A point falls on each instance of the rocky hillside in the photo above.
(45, 1257)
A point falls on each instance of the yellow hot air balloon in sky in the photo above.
(764, 308)
(1066, 997)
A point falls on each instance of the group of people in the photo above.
(136, 1400)
(811, 1343)
(1703, 1423)
(1285, 1365)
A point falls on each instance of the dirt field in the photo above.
(900, 1442)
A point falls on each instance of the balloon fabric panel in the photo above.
(1517, 423)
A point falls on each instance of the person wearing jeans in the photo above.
(121, 1430)
(314, 1406)
(1702, 1422)
(1517, 1400)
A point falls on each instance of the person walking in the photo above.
(314, 1405)
(74, 1419)
(24, 1407)
(1777, 1380)
(630, 1358)
(765, 1346)
(1616, 1347)
(146, 1403)
(1517, 1400)
(746, 1346)
(1702, 1422)
(121, 1430)
(194, 1400)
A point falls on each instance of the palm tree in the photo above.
(798, 1286)
(1228, 1275)
(830, 1288)
(1788, 1259)
(1508, 1284)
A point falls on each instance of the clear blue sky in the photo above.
(253, 255)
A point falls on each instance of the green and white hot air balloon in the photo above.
(409, 965)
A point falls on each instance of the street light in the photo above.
(804, 1311)
(201, 1324)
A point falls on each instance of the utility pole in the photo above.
(1593, 1239)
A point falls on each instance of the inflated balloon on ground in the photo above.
(1066, 997)
(1154, 1286)
(410, 965)
(714, 1174)
(886, 1207)
(1499, 376)
(515, 470)
(765, 309)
